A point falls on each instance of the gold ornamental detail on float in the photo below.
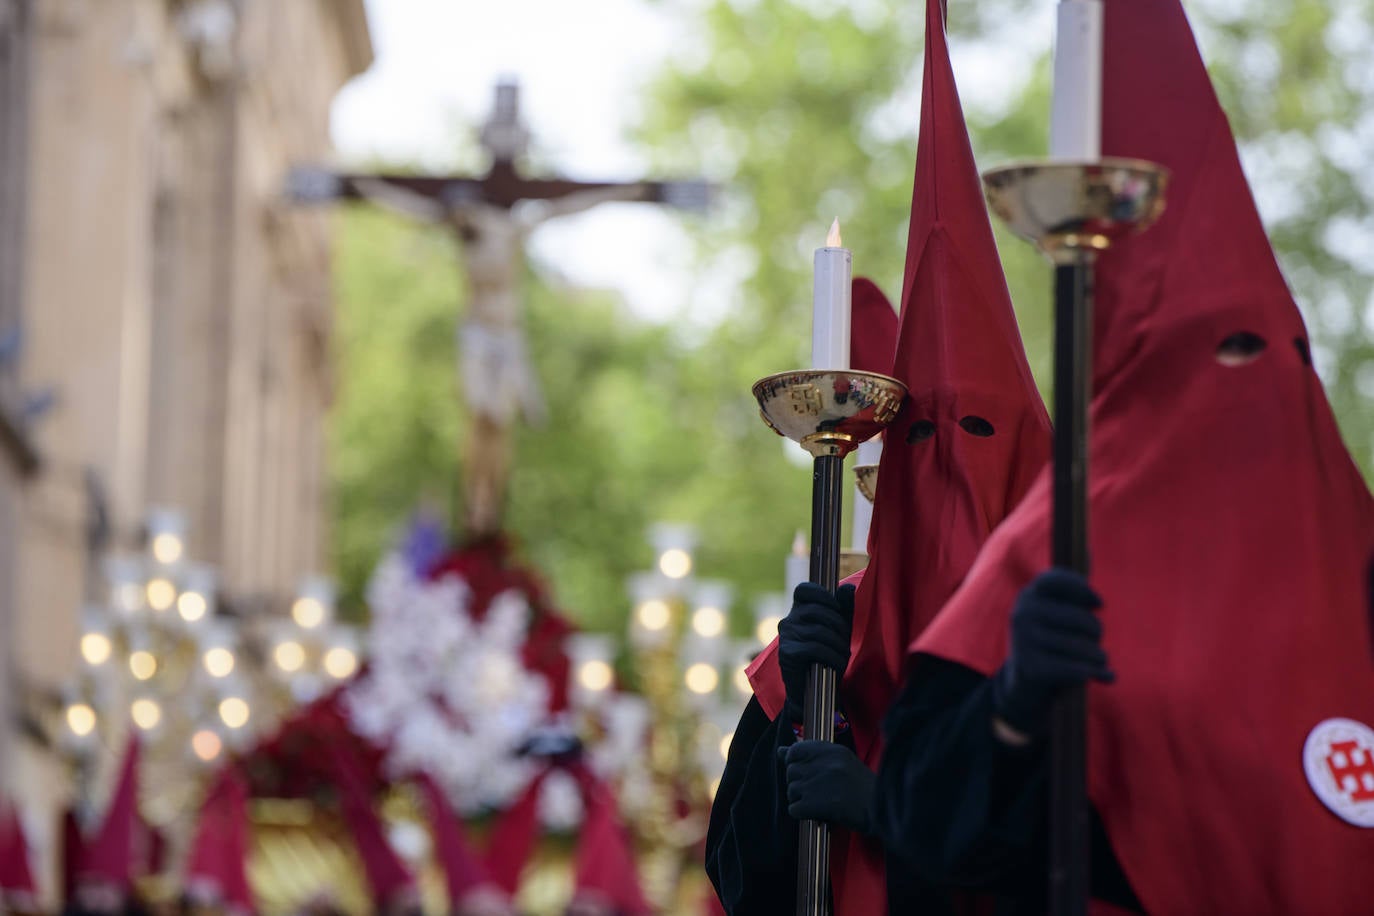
(667, 830)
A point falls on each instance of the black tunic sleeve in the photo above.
(751, 844)
(951, 801)
(961, 808)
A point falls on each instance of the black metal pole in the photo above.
(818, 718)
(1069, 851)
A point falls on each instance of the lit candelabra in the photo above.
(162, 654)
(691, 674)
(309, 650)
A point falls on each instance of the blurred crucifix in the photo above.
(491, 216)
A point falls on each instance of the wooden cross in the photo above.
(506, 139)
(491, 217)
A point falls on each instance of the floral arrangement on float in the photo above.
(465, 696)
(467, 680)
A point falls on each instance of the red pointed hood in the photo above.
(514, 837)
(966, 445)
(16, 878)
(217, 867)
(109, 857)
(1229, 534)
(973, 432)
(873, 328)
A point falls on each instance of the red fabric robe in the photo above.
(1229, 534)
(16, 878)
(217, 866)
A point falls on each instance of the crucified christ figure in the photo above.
(497, 379)
(491, 218)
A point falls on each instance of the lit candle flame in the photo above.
(832, 240)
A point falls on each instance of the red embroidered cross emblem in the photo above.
(1353, 768)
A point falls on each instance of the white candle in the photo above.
(870, 452)
(830, 304)
(1076, 110)
(798, 568)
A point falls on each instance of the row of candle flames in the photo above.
(160, 622)
(158, 635)
(675, 617)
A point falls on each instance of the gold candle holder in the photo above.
(828, 412)
(1071, 211)
(867, 476)
(1067, 209)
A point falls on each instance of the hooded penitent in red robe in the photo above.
(109, 858)
(217, 867)
(1229, 536)
(962, 452)
(387, 876)
(16, 878)
(606, 874)
(465, 873)
(513, 839)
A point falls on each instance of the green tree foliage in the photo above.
(1296, 78)
(805, 110)
(638, 429)
(395, 424)
(809, 107)
(616, 448)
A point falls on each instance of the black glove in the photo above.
(1056, 642)
(827, 782)
(815, 631)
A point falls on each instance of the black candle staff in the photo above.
(1072, 210)
(829, 412)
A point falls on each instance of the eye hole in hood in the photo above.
(1241, 348)
(920, 431)
(1304, 351)
(976, 426)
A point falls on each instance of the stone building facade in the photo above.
(173, 303)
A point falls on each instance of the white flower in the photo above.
(560, 801)
(450, 696)
(444, 693)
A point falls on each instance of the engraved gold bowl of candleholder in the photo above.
(828, 412)
(1068, 208)
(867, 477)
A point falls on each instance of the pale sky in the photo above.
(580, 74)
(582, 65)
(582, 68)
